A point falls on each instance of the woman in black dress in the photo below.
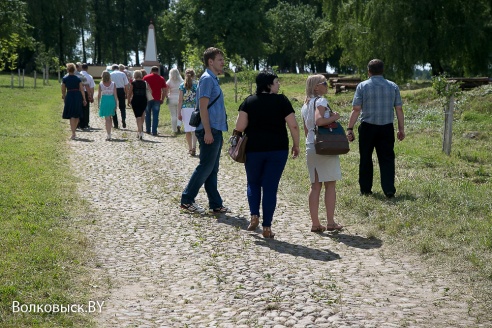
(137, 98)
(74, 97)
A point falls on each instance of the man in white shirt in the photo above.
(89, 95)
(121, 81)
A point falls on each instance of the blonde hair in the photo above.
(137, 75)
(106, 77)
(70, 67)
(189, 75)
(311, 83)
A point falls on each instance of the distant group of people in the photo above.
(264, 117)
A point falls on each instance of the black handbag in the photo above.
(195, 118)
(330, 139)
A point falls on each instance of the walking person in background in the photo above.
(137, 98)
(120, 79)
(186, 105)
(263, 117)
(89, 95)
(159, 92)
(173, 84)
(376, 100)
(209, 134)
(73, 96)
(323, 169)
(107, 99)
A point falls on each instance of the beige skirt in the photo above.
(327, 166)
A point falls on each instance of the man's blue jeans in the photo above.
(153, 108)
(206, 171)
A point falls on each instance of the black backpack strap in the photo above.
(213, 102)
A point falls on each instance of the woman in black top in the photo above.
(137, 98)
(262, 117)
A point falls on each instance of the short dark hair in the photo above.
(154, 69)
(264, 80)
(375, 67)
(211, 53)
(85, 66)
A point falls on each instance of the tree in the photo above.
(451, 35)
(14, 32)
(291, 28)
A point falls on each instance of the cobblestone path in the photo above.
(157, 267)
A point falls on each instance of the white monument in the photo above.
(150, 58)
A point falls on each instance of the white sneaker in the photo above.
(192, 208)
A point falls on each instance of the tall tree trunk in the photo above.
(84, 54)
(60, 32)
(137, 57)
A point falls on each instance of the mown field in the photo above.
(441, 212)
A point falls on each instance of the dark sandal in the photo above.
(267, 232)
(334, 227)
(253, 223)
(319, 228)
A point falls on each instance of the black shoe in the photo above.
(366, 193)
(390, 195)
(124, 125)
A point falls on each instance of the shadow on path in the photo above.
(355, 241)
(277, 245)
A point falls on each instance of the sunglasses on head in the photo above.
(323, 83)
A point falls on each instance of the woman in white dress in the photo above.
(323, 169)
(173, 83)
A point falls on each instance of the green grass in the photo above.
(42, 254)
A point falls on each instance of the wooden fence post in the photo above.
(448, 126)
(34, 79)
(235, 86)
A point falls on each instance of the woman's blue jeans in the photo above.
(206, 171)
(264, 170)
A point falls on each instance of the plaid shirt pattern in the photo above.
(378, 98)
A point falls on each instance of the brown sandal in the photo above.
(319, 228)
(253, 223)
(334, 227)
(267, 232)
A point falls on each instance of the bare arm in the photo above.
(401, 123)
(130, 94)
(352, 120)
(163, 94)
(82, 92)
(294, 133)
(63, 90)
(242, 121)
(180, 104)
(319, 118)
(99, 95)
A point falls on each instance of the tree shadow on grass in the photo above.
(279, 245)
